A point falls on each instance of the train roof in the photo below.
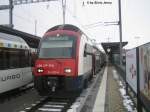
(31, 40)
(65, 27)
(11, 41)
(70, 28)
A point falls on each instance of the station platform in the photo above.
(109, 97)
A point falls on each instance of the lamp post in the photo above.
(108, 54)
(10, 7)
(11, 14)
(64, 10)
(35, 27)
(108, 50)
(120, 30)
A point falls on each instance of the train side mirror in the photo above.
(85, 53)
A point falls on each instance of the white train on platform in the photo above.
(15, 62)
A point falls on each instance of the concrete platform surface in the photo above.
(109, 97)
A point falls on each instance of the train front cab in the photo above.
(57, 64)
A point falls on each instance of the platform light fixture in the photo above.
(108, 50)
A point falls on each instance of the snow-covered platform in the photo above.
(111, 96)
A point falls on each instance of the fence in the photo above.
(138, 75)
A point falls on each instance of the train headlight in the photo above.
(40, 70)
(67, 70)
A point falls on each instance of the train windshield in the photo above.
(57, 47)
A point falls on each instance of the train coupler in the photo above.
(52, 83)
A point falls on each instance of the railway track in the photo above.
(14, 93)
(52, 103)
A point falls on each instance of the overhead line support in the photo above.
(18, 2)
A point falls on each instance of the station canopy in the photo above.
(32, 40)
(113, 47)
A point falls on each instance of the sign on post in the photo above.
(144, 73)
(131, 69)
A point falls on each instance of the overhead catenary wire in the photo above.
(100, 23)
(32, 18)
(27, 20)
(79, 23)
(92, 25)
(96, 24)
(23, 18)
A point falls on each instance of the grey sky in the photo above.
(135, 18)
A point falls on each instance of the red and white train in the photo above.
(67, 59)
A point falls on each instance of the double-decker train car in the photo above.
(98, 60)
(15, 62)
(65, 60)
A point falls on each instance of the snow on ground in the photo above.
(127, 102)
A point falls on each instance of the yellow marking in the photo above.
(1, 44)
(15, 46)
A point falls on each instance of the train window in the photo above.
(97, 57)
(14, 59)
(6, 59)
(24, 58)
(87, 50)
(4, 56)
(56, 53)
(27, 58)
(57, 44)
(85, 54)
(57, 48)
(1, 59)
